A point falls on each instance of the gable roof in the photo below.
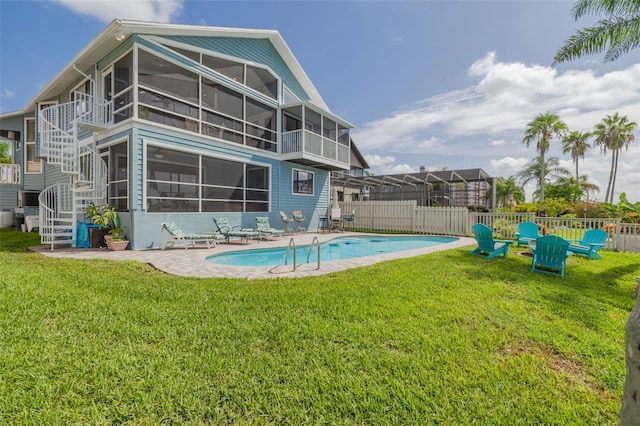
(119, 30)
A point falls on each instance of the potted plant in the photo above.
(104, 216)
(117, 240)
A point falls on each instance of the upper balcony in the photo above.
(314, 137)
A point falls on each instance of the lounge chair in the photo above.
(527, 231)
(298, 217)
(286, 220)
(265, 230)
(234, 232)
(487, 246)
(550, 252)
(177, 236)
(592, 241)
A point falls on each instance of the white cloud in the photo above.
(7, 94)
(142, 10)
(507, 166)
(470, 126)
(386, 165)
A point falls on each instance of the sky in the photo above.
(439, 84)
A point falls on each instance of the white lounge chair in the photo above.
(189, 240)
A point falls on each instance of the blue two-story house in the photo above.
(176, 123)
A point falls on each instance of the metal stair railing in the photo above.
(59, 128)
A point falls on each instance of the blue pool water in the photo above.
(335, 249)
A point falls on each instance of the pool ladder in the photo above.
(292, 243)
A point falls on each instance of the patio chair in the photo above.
(550, 253)
(323, 220)
(527, 231)
(177, 236)
(234, 232)
(265, 230)
(487, 245)
(298, 217)
(592, 241)
(349, 218)
(286, 220)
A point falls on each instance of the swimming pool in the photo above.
(335, 249)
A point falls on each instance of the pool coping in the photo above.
(192, 262)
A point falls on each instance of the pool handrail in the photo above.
(286, 259)
(317, 242)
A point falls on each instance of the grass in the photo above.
(444, 338)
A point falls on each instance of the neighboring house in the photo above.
(176, 123)
(445, 188)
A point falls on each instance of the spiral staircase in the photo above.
(66, 138)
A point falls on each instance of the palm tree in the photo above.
(541, 130)
(613, 134)
(587, 187)
(508, 190)
(534, 169)
(616, 34)
(575, 143)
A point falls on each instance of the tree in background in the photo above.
(548, 171)
(617, 33)
(508, 192)
(5, 153)
(587, 187)
(566, 188)
(576, 144)
(542, 130)
(613, 134)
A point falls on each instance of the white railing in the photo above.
(10, 174)
(304, 141)
(59, 126)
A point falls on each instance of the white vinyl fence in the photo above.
(406, 216)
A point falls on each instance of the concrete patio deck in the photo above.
(192, 262)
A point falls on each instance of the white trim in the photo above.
(34, 143)
(200, 152)
(304, 194)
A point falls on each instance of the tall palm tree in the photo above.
(541, 130)
(613, 134)
(550, 170)
(575, 143)
(508, 190)
(617, 33)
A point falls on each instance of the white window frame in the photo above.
(293, 186)
(27, 143)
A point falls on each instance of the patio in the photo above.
(191, 262)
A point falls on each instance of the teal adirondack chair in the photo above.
(488, 246)
(592, 241)
(550, 253)
(527, 231)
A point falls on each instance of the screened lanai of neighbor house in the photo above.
(445, 188)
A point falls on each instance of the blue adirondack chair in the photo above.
(592, 241)
(550, 253)
(527, 231)
(487, 245)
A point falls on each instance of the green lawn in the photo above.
(444, 338)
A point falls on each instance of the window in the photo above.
(117, 159)
(122, 75)
(184, 182)
(302, 182)
(33, 165)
